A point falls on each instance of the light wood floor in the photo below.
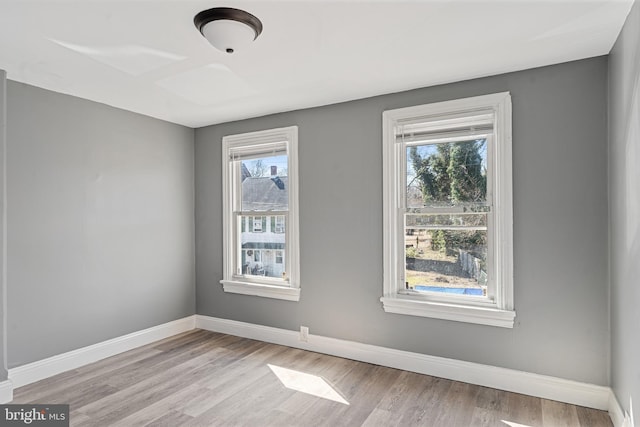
(202, 378)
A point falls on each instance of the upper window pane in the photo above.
(447, 174)
(265, 184)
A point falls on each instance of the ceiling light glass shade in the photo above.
(228, 29)
(228, 36)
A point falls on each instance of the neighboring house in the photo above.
(263, 235)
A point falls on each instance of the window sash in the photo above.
(403, 210)
(408, 122)
(257, 151)
(443, 137)
(491, 285)
(443, 123)
(235, 168)
(235, 149)
(239, 273)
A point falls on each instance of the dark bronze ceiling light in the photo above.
(228, 29)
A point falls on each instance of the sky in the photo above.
(267, 162)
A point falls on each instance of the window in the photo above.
(260, 216)
(448, 211)
(257, 224)
(279, 224)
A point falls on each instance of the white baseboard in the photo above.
(6, 391)
(577, 393)
(615, 411)
(36, 371)
(618, 416)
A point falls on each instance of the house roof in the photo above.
(265, 193)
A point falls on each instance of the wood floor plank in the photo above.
(458, 405)
(38, 390)
(133, 373)
(381, 417)
(493, 400)
(295, 411)
(239, 408)
(170, 419)
(203, 379)
(397, 398)
(267, 392)
(124, 365)
(409, 394)
(196, 398)
(365, 397)
(175, 402)
(428, 401)
(239, 376)
(331, 370)
(322, 411)
(186, 338)
(79, 420)
(525, 410)
(492, 408)
(483, 417)
(146, 368)
(558, 413)
(144, 393)
(240, 364)
(592, 418)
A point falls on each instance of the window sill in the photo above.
(449, 311)
(261, 290)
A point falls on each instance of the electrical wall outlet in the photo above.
(304, 333)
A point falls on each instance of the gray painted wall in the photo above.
(100, 223)
(624, 187)
(3, 235)
(560, 230)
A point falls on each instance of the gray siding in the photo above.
(100, 223)
(624, 187)
(560, 230)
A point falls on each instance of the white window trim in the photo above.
(268, 287)
(261, 290)
(494, 313)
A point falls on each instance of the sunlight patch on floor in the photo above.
(307, 383)
(512, 424)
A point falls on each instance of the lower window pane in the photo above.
(446, 261)
(262, 248)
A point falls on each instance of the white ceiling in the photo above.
(147, 56)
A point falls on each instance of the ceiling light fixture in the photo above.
(228, 29)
